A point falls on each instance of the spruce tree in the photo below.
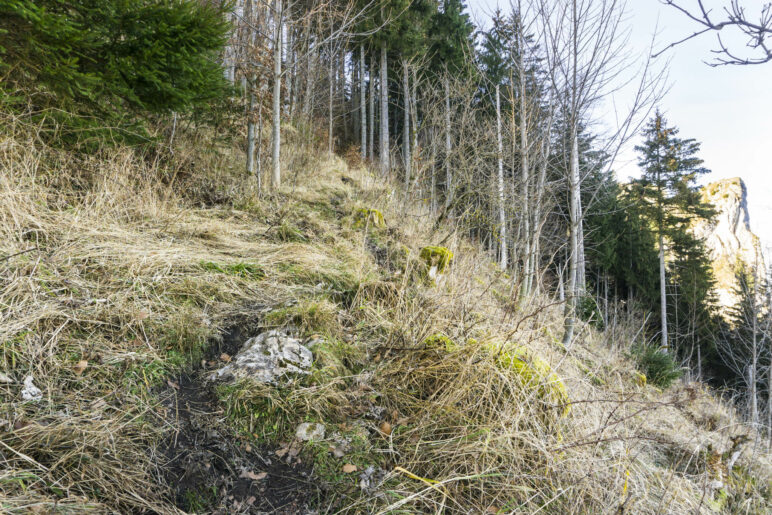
(667, 194)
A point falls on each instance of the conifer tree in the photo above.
(667, 194)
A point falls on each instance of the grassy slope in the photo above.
(111, 282)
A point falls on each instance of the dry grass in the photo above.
(111, 261)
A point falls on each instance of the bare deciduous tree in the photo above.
(756, 30)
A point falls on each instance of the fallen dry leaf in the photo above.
(348, 468)
(281, 452)
(385, 428)
(255, 477)
(80, 366)
(142, 315)
(172, 384)
(225, 357)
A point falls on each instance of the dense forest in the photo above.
(500, 133)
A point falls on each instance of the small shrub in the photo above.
(589, 311)
(658, 367)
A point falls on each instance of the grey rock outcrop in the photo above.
(728, 237)
(271, 357)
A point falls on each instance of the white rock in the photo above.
(309, 431)
(268, 358)
(729, 238)
(5, 379)
(30, 392)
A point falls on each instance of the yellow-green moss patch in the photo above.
(368, 216)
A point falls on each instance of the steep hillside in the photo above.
(729, 238)
(430, 386)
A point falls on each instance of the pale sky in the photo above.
(728, 109)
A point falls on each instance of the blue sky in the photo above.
(728, 109)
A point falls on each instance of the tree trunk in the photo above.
(662, 292)
(251, 127)
(448, 174)
(276, 125)
(384, 87)
(371, 114)
(574, 227)
(406, 125)
(500, 162)
(331, 93)
(524, 169)
(414, 129)
(362, 100)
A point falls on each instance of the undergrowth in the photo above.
(450, 395)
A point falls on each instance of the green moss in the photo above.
(246, 270)
(440, 341)
(534, 372)
(440, 257)
(364, 216)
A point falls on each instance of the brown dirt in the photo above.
(210, 469)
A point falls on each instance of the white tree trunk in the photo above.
(414, 128)
(330, 113)
(371, 114)
(276, 114)
(448, 173)
(524, 164)
(574, 228)
(663, 292)
(362, 100)
(384, 87)
(500, 162)
(251, 128)
(406, 124)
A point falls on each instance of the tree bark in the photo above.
(406, 125)
(362, 107)
(663, 293)
(503, 255)
(574, 227)
(276, 125)
(384, 87)
(448, 173)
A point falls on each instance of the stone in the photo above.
(30, 392)
(728, 237)
(272, 357)
(5, 379)
(310, 431)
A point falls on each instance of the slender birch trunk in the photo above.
(414, 128)
(371, 114)
(406, 125)
(384, 87)
(276, 125)
(448, 174)
(331, 93)
(362, 100)
(251, 127)
(662, 292)
(500, 163)
(572, 292)
(524, 169)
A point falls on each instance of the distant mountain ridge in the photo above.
(728, 237)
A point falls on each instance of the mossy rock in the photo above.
(534, 372)
(439, 257)
(364, 216)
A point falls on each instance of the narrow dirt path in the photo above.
(211, 469)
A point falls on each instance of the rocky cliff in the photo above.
(728, 237)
